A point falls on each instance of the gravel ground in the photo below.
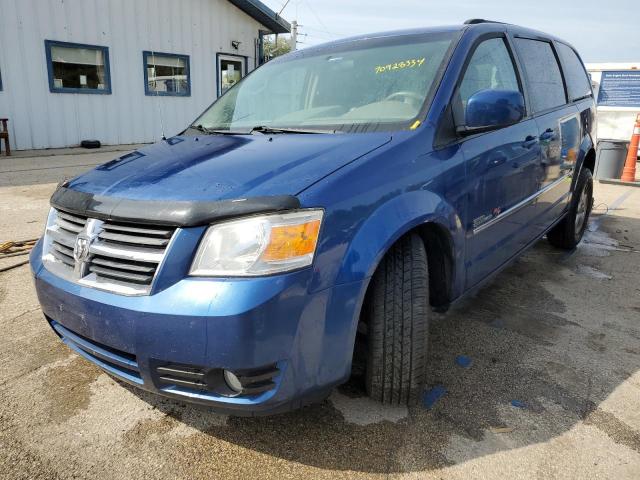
(551, 390)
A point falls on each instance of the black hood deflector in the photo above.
(178, 213)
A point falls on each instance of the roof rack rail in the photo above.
(475, 21)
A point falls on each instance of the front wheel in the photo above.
(568, 233)
(396, 319)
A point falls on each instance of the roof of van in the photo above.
(483, 25)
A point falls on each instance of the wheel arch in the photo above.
(429, 216)
(441, 260)
(590, 160)
(440, 249)
(586, 159)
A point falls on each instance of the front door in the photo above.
(503, 168)
(231, 68)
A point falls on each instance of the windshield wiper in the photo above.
(258, 129)
(213, 131)
(265, 129)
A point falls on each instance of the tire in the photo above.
(90, 144)
(397, 324)
(568, 232)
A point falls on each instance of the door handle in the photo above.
(530, 141)
(548, 134)
(497, 159)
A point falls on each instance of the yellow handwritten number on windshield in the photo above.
(413, 63)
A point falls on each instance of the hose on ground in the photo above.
(15, 249)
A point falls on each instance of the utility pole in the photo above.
(294, 35)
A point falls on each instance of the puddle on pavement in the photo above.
(598, 244)
(67, 388)
(592, 272)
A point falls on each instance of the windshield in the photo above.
(365, 85)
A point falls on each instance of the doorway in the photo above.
(230, 68)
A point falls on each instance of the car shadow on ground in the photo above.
(539, 357)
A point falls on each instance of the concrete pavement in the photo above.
(552, 390)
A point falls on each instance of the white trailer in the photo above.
(616, 87)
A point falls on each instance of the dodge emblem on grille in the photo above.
(81, 249)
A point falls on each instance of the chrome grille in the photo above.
(63, 253)
(120, 233)
(71, 223)
(120, 257)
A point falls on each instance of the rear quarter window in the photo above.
(542, 74)
(575, 75)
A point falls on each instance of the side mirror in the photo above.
(492, 109)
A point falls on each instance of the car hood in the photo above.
(225, 167)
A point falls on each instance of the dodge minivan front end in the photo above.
(217, 315)
(219, 265)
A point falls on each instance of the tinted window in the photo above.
(574, 73)
(542, 72)
(490, 68)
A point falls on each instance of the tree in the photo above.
(273, 49)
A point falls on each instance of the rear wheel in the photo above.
(568, 233)
(396, 316)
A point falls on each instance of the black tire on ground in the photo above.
(90, 144)
(397, 313)
(568, 233)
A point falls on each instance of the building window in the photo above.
(166, 74)
(77, 68)
(0, 80)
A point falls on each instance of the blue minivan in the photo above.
(317, 214)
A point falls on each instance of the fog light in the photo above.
(233, 382)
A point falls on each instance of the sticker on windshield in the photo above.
(413, 63)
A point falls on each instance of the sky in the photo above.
(601, 31)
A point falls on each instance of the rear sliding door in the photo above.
(558, 125)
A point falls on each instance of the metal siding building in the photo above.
(200, 29)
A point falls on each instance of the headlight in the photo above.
(261, 245)
(47, 241)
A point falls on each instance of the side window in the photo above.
(166, 74)
(490, 68)
(77, 68)
(541, 70)
(575, 75)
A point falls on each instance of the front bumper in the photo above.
(234, 324)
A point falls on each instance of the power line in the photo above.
(323, 31)
(322, 24)
(283, 7)
(315, 14)
(320, 37)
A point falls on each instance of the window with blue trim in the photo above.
(166, 74)
(77, 68)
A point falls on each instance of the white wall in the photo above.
(41, 119)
